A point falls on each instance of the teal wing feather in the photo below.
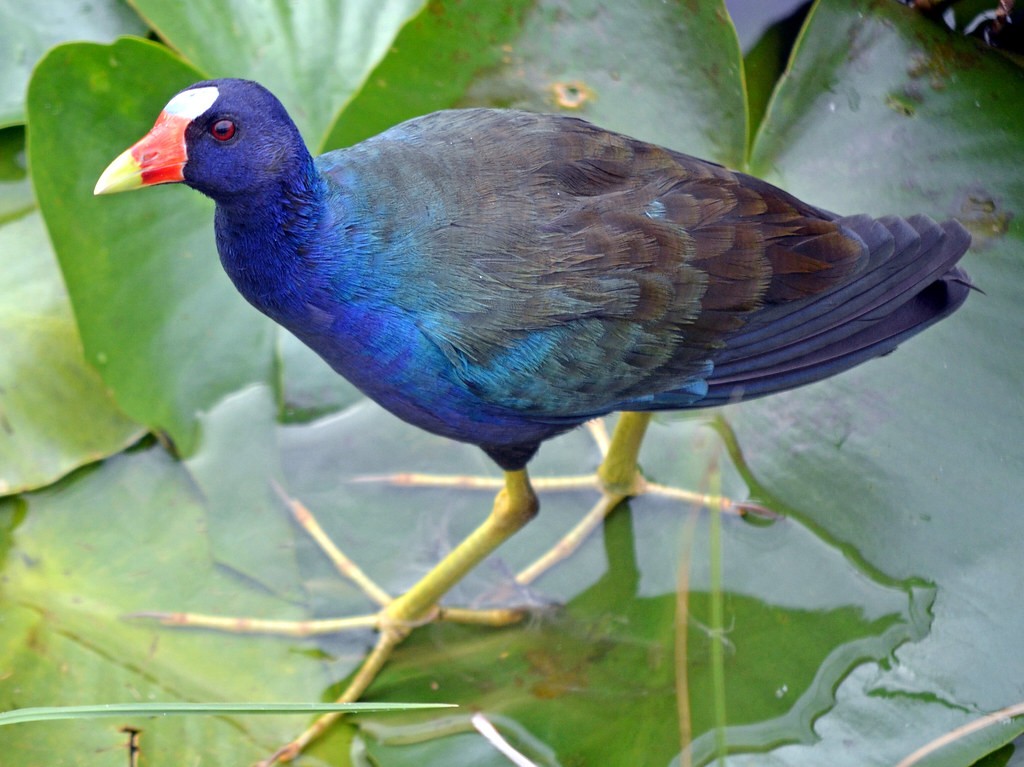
(564, 270)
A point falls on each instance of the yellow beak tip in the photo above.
(122, 175)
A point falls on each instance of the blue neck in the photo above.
(268, 245)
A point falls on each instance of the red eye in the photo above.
(222, 130)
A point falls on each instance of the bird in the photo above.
(500, 277)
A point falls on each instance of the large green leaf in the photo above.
(314, 55)
(157, 315)
(915, 460)
(153, 544)
(92, 549)
(28, 30)
(673, 78)
(431, 63)
(54, 412)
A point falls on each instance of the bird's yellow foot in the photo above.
(617, 478)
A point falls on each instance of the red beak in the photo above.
(159, 157)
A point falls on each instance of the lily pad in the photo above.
(153, 545)
(90, 551)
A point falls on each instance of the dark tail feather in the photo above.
(909, 283)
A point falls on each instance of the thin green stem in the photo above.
(717, 611)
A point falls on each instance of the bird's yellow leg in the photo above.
(618, 477)
(619, 472)
(350, 570)
(515, 505)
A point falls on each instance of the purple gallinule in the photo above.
(499, 277)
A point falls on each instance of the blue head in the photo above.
(229, 139)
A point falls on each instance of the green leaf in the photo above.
(236, 469)
(55, 414)
(673, 78)
(313, 55)
(430, 65)
(765, 62)
(28, 30)
(157, 315)
(910, 81)
(120, 538)
(915, 460)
